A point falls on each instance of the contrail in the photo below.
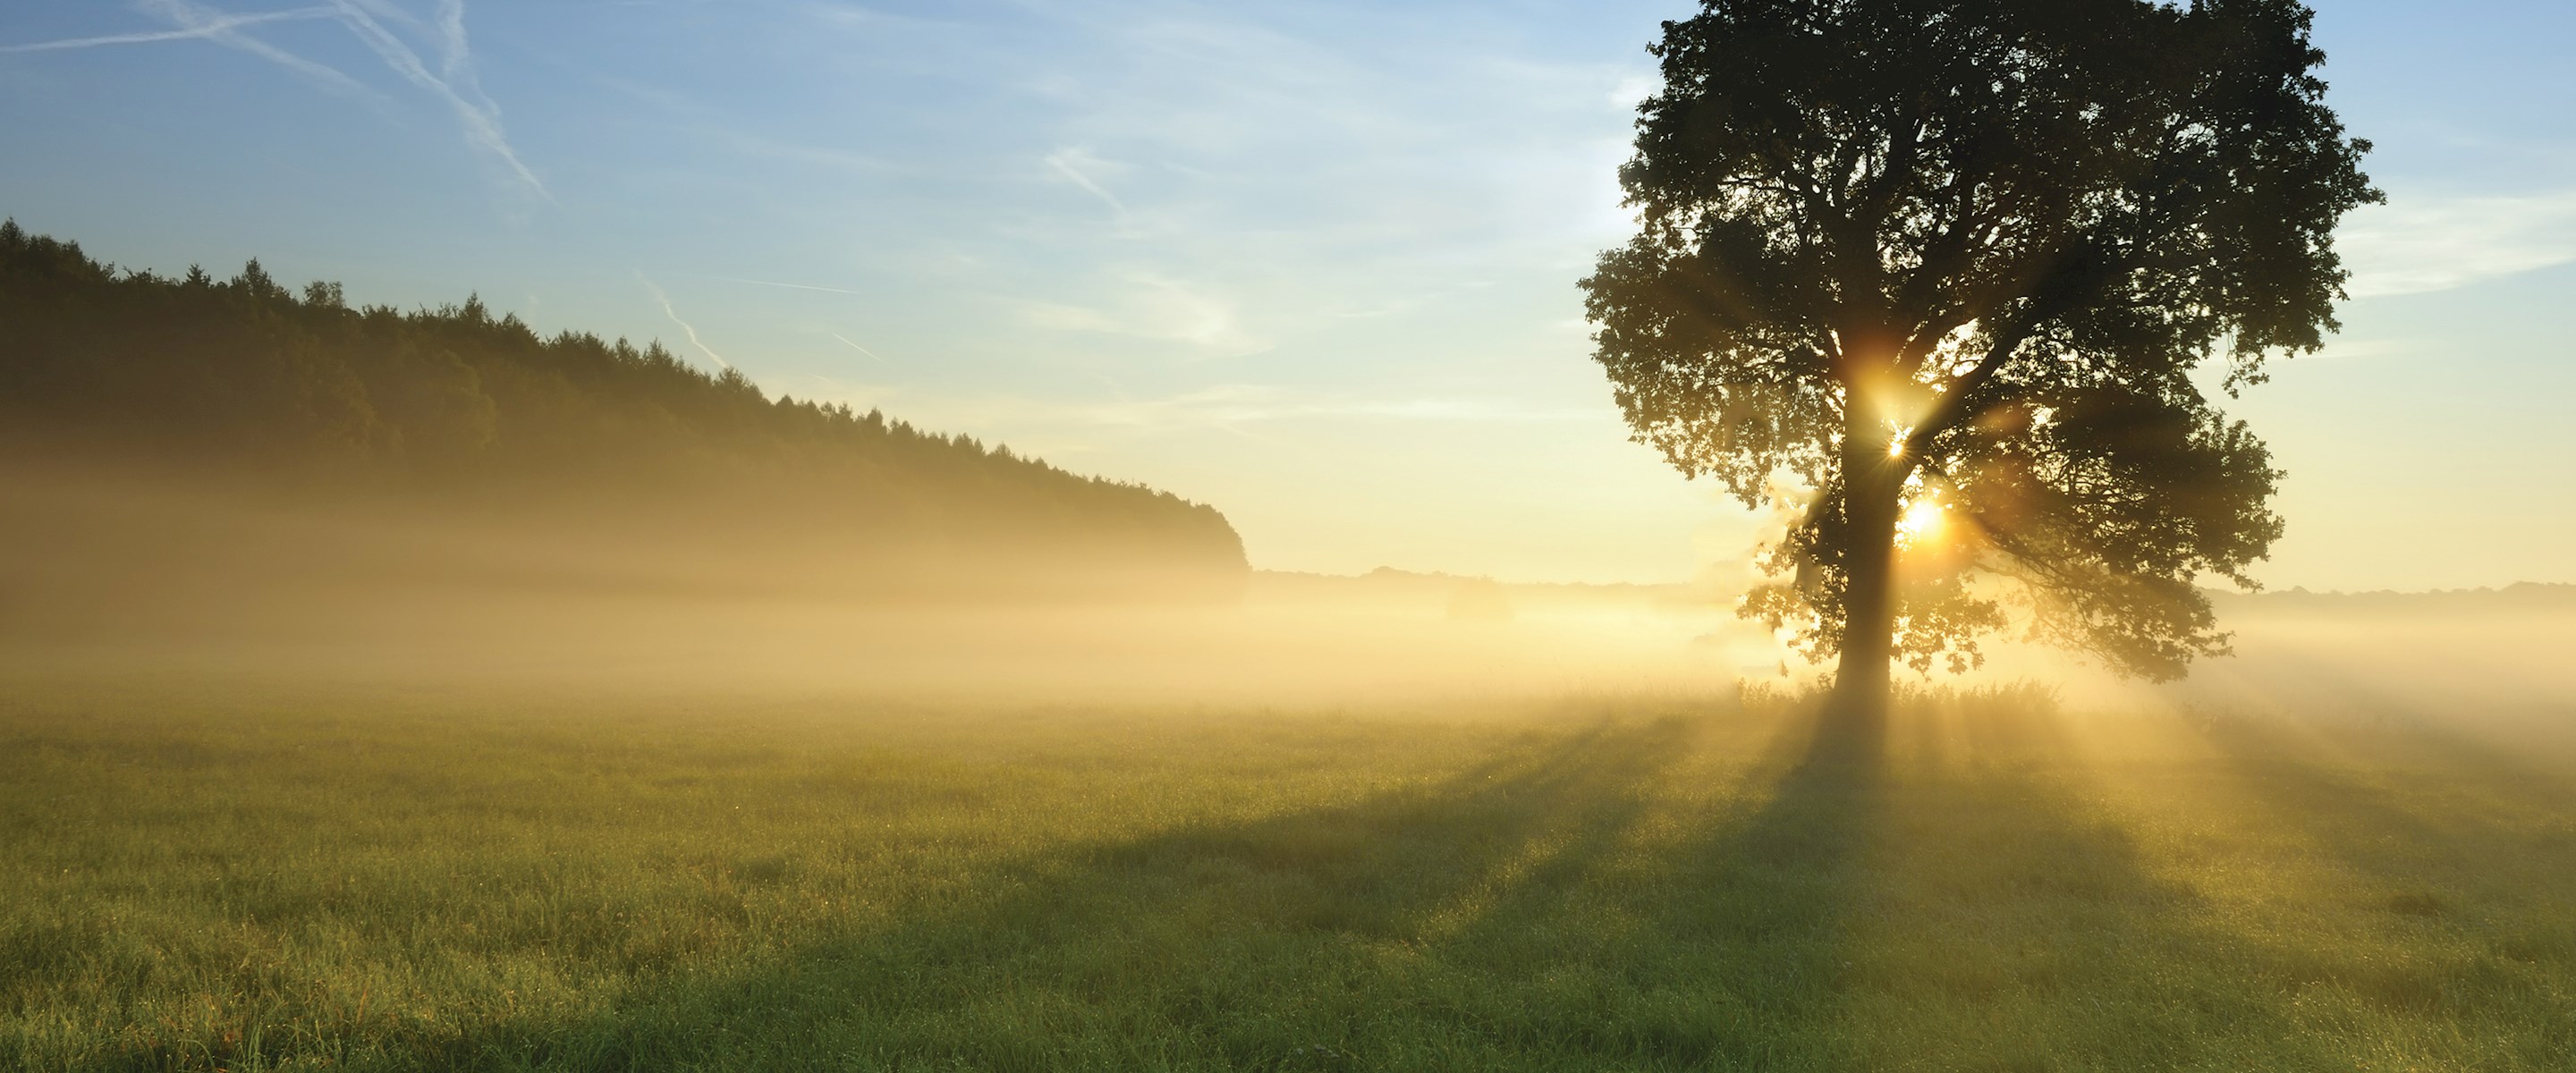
(451, 29)
(455, 82)
(845, 341)
(482, 120)
(1062, 161)
(206, 29)
(215, 26)
(685, 327)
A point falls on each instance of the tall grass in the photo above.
(243, 877)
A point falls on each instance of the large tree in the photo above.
(1936, 275)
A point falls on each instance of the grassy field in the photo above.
(205, 875)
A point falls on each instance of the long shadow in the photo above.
(1722, 944)
(2022, 894)
(2458, 855)
(1574, 901)
(2407, 803)
(1554, 907)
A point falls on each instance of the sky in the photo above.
(1311, 262)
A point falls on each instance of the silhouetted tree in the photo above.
(1956, 261)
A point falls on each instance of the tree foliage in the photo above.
(246, 381)
(1900, 257)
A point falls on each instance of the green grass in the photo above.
(282, 878)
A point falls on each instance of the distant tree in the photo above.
(1939, 273)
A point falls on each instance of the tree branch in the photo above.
(1953, 406)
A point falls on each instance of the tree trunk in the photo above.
(1856, 712)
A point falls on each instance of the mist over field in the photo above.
(847, 535)
(394, 811)
(339, 770)
(174, 575)
(392, 691)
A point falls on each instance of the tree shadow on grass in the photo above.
(1574, 902)
(2450, 865)
(2015, 922)
(2003, 922)
(2409, 802)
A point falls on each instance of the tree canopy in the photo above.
(1938, 276)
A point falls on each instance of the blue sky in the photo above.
(1311, 262)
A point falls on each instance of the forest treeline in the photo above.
(245, 392)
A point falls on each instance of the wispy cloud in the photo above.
(788, 286)
(454, 81)
(1228, 407)
(1633, 90)
(1151, 306)
(2340, 349)
(2417, 245)
(686, 328)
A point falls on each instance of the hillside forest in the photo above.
(159, 431)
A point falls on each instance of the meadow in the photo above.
(212, 871)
